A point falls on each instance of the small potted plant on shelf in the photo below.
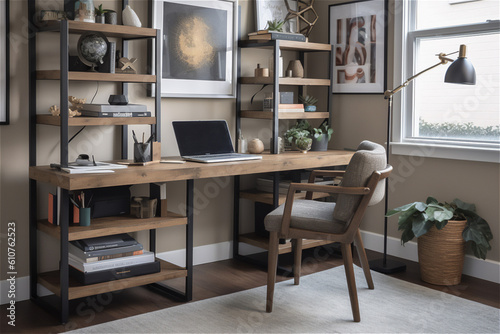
(442, 231)
(299, 136)
(99, 14)
(321, 136)
(275, 25)
(309, 102)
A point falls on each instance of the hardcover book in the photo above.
(111, 263)
(101, 253)
(108, 241)
(272, 35)
(114, 274)
(115, 107)
(87, 113)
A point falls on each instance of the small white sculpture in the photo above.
(130, 18)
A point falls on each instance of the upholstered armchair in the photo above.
(362, 185)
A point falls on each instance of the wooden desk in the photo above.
(60, 283)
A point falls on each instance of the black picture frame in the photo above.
(358, 31)
(4, 63)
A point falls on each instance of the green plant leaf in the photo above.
(431, 200)
(400, 209)
(439, 225)
(442, 215)
(463, 205)
(420, 225)
(406, 236)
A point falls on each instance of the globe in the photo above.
(92, 47)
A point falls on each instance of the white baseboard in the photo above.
(483, 269)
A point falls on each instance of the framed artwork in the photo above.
(198, 47)
(4, 62)
(269, 10)
(358, 32)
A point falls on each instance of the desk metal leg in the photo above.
(236, 218)
(189, 238)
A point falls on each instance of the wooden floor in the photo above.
(211, 280)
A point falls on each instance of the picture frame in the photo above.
(269, 10)
(199, 41)
(4, 63)
(358, 32)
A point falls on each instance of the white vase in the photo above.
(130, 18)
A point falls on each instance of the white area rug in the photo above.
(320, 304)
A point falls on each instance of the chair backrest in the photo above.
(369, 157)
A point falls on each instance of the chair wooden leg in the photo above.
(272, 266)
(351, 282)
(297, 259)
(362, 258)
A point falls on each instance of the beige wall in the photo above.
(355, 117)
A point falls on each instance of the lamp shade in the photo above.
(462, 72)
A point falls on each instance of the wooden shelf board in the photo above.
(96, 76)
(109, 30)
(267, 198)
(257, 114)
(263, 242)
(288, 45)
(51, 280)
(84, 121)
(285, 81)
(113, 225)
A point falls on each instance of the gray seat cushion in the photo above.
(308, 215)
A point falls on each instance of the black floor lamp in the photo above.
(460, 71)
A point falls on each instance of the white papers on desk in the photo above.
(100, 167)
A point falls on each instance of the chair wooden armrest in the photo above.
(311, 187)
(319, 172)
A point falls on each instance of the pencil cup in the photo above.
(142, 152)
(84, 216)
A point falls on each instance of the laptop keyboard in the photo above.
(216, 156)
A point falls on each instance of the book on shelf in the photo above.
(115, 273)
(105, 242)
(100, 167)
(115, 107)
(291, 107)
(101, 254)
(52, 213)
(89, 267)
(273, 35)
(89, 113)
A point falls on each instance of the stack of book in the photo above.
(107, 258)
(266, 35)
(113, 110)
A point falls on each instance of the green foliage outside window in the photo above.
(459, 130)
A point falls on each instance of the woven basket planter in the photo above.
(441, 254)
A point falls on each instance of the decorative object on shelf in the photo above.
(261, 72)
(99, 14)
(357, 31)
(321, 136)
(309, 102)
(52, 15)
(255, 146)
(275, 11)
(84, 11)
(275, 25)
(199, 49)
(242, 143)
(4, 63)
(119, 100)
(110, 17)
(309, 19)
(92, 48)
(461, 71)
(126, 65)
(56, 111)
(271, 66)
(299, 136)
(442, 231)
(143, 207)
(281, 144)
(296, 67)
(268, 102)
(76, 104)
(130, 18)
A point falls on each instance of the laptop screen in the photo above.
(202, 137)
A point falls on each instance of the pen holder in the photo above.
(84, 216)
(142, 152)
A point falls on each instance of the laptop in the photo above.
(207, 141)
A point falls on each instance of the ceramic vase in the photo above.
(130, 18)
(296, 67)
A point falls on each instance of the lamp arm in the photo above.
(443, 60)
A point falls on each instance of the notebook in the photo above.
(207, 141)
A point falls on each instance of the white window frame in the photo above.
(402, 142)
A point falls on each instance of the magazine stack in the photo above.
(107, 258)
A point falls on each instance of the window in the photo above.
(453, 119)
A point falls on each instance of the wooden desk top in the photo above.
(190, 170)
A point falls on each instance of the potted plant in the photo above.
(299, 136)
(442, 231)
(309, 102)
(321, 136)
(99, 14)
(275, 25)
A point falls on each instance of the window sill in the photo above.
(446, 151)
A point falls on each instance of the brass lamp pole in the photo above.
(460, 71)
